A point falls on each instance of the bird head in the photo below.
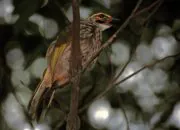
(104, 21)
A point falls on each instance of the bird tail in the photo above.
(36, 103)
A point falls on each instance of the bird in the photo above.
(58, 56)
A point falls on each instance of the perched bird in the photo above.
(58, 56)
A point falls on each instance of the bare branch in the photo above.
(156, 8)
(145, 67)
(110, 40)
(124, 112)
(147, 8)
(111, 85)
(75, 68)
(125, 65)
(28, 118)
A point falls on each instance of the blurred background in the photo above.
(148, 100)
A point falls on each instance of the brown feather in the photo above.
(58, 61)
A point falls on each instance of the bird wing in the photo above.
(53, 54)
(54, 51)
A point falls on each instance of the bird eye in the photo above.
(99, 21)
(101, 16)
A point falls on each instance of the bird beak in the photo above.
(115, 21)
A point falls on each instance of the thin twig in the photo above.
(136, 14)
(111, 85)
(110, 40)
(121, 71)
(125, 65)
(146, 9)
(75, 68)
(154, 11)
(59, 123)
(61, 10)
(124, 112)
(145, 67)
(22, 106)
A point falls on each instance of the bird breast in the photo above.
(90, 41)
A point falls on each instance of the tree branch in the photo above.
(75, 68)
(111, 85)
(110, 40)
(147, 8)
(154, 11)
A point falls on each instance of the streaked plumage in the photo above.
(58, 56)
